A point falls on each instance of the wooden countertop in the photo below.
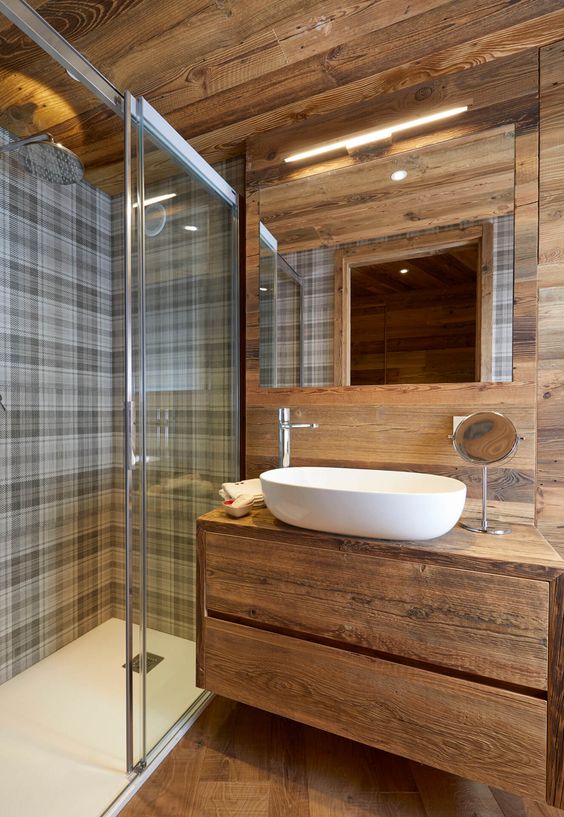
(524, 552)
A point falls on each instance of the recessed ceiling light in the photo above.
(155, 199)
(191, 228)
(398, 175)
(263, 289)
(376, 135)
(404, 270)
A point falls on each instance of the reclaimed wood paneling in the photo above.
(395, 436)
(555, 743)
(489, 734)
(291, 616)
(459, 619)
(449, 183)
(525, 554)
(408, 425)
(225, 72)
(550, 394)
(433, 283)
(550, 461)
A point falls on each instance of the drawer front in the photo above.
(487, 625)
(483, 733)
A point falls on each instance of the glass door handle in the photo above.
(131, 425)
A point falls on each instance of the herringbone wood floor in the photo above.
(242, 762)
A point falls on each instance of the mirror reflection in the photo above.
(396, 277)
(281, 312)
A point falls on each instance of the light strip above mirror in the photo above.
(376, 135)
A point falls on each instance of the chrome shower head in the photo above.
(46, 159)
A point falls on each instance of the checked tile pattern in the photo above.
(61, 379)
(56, 434)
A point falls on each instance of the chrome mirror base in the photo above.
(491, 528)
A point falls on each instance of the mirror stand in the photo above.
(485, 438)
(484, 526)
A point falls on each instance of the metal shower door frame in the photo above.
(140, 116)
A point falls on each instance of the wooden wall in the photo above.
(428, 336)
(550, 460)
(408, 426)
(461, 180)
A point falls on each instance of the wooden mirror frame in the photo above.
(406, 248)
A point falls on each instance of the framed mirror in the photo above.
(406, 268)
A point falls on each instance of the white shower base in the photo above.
(62, 722)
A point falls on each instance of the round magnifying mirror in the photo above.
(485, 438)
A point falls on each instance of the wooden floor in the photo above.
(242, 762)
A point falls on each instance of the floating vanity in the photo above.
(448, 652)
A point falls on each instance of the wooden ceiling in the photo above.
(453, 269)
(225, 70)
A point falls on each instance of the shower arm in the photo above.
(29, 140)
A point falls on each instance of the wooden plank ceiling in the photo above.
(448, 270)
(224, 70)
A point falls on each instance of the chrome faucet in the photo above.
(284, 429)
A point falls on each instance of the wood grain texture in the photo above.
(447, 795)
(448, 183)
(378, 344)
(488, 734)
(524, 553)
(481, 86)
(487, 625)
(408, 425)
(550, 393)
(555, 770)
(397, 436)
(224, 72)
(234, 752)
(300, 622)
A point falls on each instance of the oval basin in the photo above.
(399, 505)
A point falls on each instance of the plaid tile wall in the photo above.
(317, 269)
(189, 379)
(502, 341)
(56, 484)
(61, 378)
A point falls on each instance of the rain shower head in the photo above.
(46, 159)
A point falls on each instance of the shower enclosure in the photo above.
(118, 423)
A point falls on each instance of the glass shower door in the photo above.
(185, 375)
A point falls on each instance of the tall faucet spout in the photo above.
(285, 427)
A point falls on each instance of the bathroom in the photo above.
(237, 237)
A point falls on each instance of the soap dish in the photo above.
(237, 510)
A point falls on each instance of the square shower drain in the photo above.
(152, 661)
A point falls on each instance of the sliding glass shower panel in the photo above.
(188, 415)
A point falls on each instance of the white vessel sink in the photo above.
(398, 505)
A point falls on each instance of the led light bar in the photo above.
(375, 135)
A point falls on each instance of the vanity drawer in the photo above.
(489, 625)
(490, 735)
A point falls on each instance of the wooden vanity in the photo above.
(447, 652)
